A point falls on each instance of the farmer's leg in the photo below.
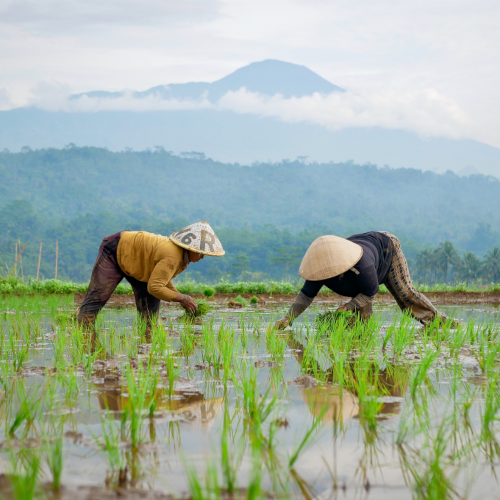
(147, 305)
(106, 275)
(399, 283)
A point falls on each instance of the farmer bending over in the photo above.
(148, 262)
(355, 267)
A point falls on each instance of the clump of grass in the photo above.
(209, 292)
(254, 300)
(241, 300)
(203, 308)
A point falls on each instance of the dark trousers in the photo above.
(106, 276)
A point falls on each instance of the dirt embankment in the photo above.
(452, 298)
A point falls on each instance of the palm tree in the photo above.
(469, 268)
(492, 264)
(424, 262)
(446, 256)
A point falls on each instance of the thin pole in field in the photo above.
(39, 260)
(21, 261)
(15, 264)
(57, 255)
(17, 258)
(21, 264)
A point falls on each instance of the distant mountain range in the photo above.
(238, 137)
(268, 77)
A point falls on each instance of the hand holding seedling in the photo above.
(187, 302)
(281, 324)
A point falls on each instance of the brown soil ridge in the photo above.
(452, 298)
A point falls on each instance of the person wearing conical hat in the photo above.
(148, 262)
(355, 267)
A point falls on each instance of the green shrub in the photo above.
(241, 300)
(208, 292)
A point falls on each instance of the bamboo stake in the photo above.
(21, 261)
(17, 258)
(39, 260)
(57, 255)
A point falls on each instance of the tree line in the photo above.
(252, 254)
(444, 264)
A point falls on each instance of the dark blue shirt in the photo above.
(373, 268)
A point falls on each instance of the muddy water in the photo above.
(365, 461)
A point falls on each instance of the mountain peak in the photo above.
(268, 77)
(272, 77)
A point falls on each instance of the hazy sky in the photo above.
(432, 62)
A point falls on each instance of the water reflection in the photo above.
(186, 405)
(350, 387)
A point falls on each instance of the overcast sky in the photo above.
(394, 57)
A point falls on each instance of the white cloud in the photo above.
(5, 102)
(426, 112)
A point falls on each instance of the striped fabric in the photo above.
(398, 282)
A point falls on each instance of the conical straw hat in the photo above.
(200, 238)
(328, 256)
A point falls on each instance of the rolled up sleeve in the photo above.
(160, 282)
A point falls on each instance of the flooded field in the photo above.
(230, 408)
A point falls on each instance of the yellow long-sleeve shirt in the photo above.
(153, 259)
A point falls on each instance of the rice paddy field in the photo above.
(228, 407)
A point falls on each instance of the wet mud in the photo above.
(266, 299)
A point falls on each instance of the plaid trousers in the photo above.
(398, 282)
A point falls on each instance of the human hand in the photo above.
(188, 303)
(281, 324)
(342, 308)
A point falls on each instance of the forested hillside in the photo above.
(262, 212)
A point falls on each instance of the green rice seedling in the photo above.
(19, 353)
(209, 292)
(227, 343)
(307, 439)
(110, 446)
(188, 343)
(276, 344)
(71, 387)
(329, 318)
(487, 352)
(254, 489)
(432, 475)
(210, 353)
(254, 301)
(257, 408)
(402, 335)
(137, 406)
(203, 308)
(29, 407)
(55, 462)
(24, 476)
(428, 357)
(211, 490)
(173, 370)
(229, 462)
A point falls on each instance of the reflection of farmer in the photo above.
(355, 267)
(148, 262)
(190, 406)
(335, 405)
